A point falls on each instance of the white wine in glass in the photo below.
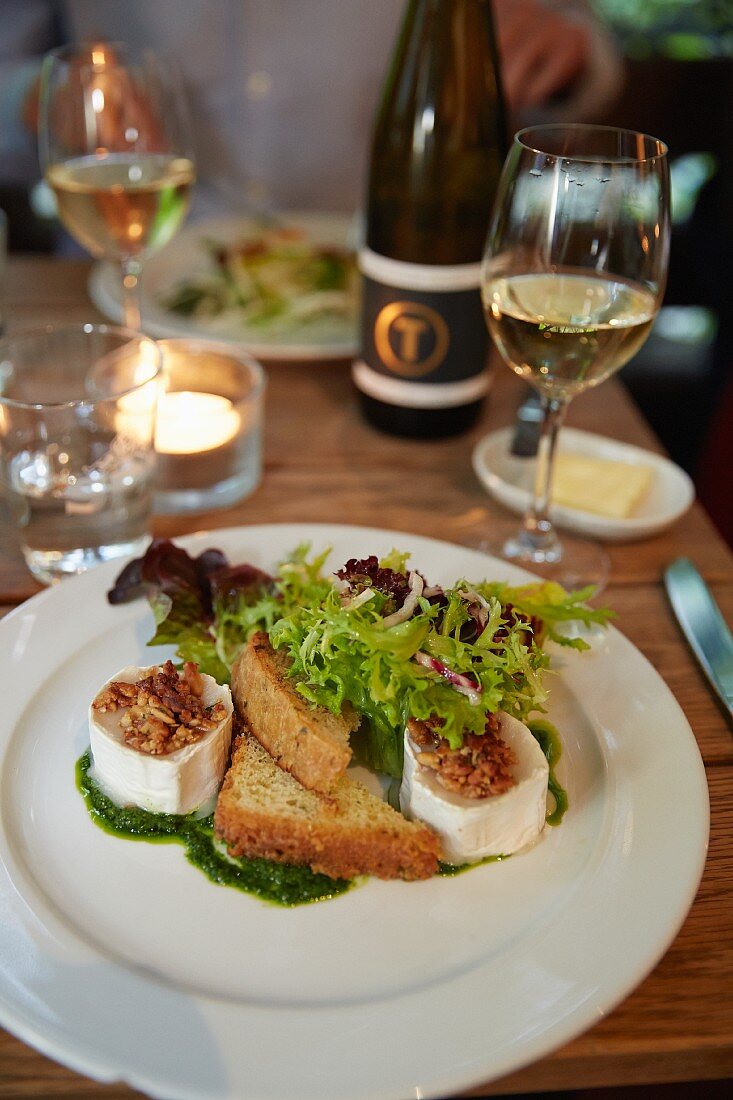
(123, 205)
(566, 330)
(115, 150)
(573, 276)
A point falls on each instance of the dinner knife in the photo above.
(527, 425)
(703, 625)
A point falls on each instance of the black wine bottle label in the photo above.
(424, 340)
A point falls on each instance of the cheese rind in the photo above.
(177, 783)
(473, 828)
(600, 485)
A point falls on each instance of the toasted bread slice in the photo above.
(309, 742)
(263, 811)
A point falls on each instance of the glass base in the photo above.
(172, 502)
(52, 566)
(573, 563)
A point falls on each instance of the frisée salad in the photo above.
(375, 634)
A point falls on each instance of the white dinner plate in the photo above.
(186, 257)
(123, 961)
(508, 479)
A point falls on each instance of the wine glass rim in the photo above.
(522, 138)
(84, 46)
(156, 362)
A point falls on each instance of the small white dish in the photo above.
(508, 479)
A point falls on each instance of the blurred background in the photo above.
(678, 84)
(674, 79)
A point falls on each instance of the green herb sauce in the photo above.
(452, 869)
(549, 741)
(280, 883)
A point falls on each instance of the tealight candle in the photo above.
(208, 426)
(189, 422)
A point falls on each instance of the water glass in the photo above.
(77, 421)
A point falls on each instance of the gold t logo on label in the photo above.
(410, 328)
(411, 339)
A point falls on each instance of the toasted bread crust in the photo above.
(309, 742)
(329, 834)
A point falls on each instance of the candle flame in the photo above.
(188, 422)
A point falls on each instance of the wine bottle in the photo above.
(437, 152)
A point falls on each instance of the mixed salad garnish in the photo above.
(376, 634)
(276, 281)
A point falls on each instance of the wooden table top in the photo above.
(323, 462)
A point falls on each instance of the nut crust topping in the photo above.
(163, 711)
(480, 767)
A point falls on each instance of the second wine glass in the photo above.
(573, 275)
(115, 148)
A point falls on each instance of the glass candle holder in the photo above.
(208, 435)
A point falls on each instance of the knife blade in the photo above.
(703, 625)
(527, 425)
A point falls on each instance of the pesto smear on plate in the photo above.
(279, 883)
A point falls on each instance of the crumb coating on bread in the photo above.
(308, 741)
(263, 811)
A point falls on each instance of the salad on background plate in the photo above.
(284, 287)
(277, 281)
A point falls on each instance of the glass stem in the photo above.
(538, 535)
(131, 270)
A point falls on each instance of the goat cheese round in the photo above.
(472, 828)
(175, 783)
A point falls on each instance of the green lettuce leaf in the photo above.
(491, 634)
(346, 654)
(551, 603)
(178, 623)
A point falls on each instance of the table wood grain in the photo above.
(323, 463)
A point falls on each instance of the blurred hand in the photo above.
(112, 113)
(542, 52)
(129, 119)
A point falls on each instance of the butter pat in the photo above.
(600, 485)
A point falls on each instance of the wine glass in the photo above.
(115, 148)
(573, 275)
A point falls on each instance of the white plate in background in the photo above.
(122, 961)
(185, 257)
(508, 479)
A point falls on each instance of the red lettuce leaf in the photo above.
(167, 568)
(182, 591)
(361, 573)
